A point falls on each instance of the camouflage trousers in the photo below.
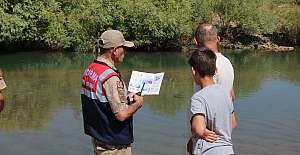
(101, 148)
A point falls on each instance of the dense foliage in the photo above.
(157, 24)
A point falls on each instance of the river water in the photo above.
(42, 113)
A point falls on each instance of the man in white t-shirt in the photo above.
(206, 36)
(2, 86)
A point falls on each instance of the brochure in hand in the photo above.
(151, 82)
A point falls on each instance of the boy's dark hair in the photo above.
(204, 61)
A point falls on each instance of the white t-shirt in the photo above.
(2, 83)
(225, 73)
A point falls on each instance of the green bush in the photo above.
(168, 24)
(288, 26)
(147, 24)
(31, 21)
(237, 17)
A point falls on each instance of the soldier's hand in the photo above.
(139, 100)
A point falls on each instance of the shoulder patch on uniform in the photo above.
(120, 84)
(121, 91)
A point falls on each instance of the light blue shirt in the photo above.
(214, 103)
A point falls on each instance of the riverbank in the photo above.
(254, 42)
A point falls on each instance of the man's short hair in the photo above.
(104, 50)
(204, 61)
(205, 33)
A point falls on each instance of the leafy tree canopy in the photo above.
(157, 24)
